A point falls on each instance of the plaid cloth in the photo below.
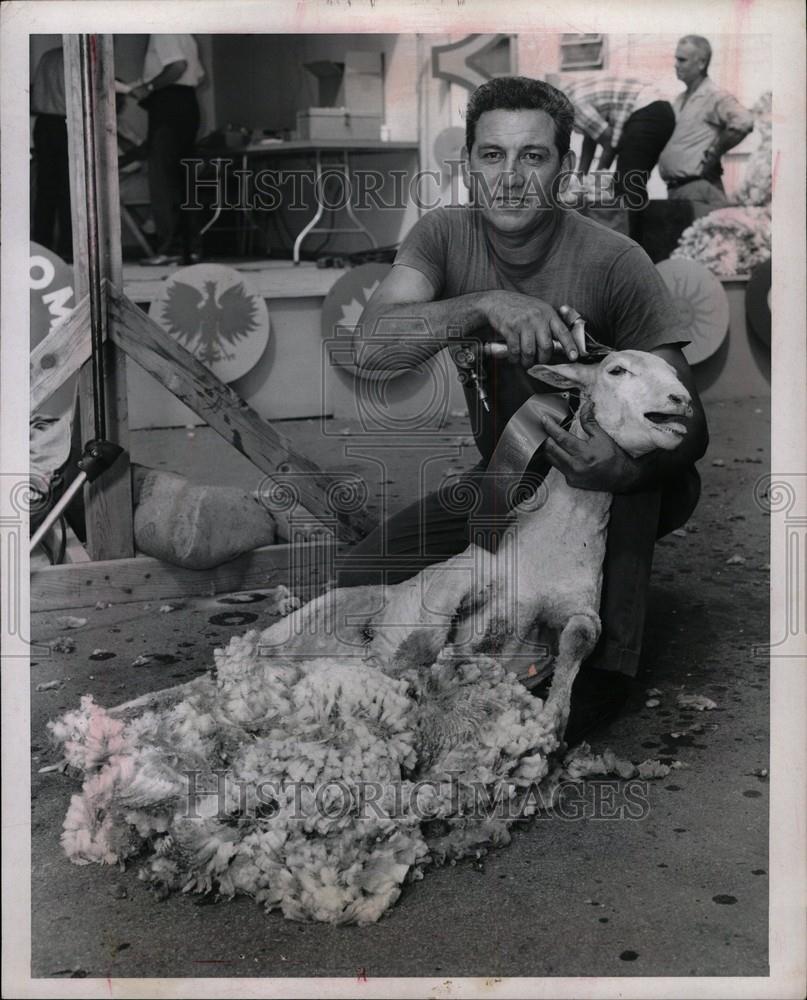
(601, 102)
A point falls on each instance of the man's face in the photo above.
(689, 62)
(512, 168)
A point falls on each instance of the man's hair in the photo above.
(520, 93)
(702, 45)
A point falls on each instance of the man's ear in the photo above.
(568, 161)
(564, 376)
(566, 171)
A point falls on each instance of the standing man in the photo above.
(171, 73)
(709, 122)
(632, 122)
(516, 266)
(52, 225)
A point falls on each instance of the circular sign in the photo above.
(215, 313)
(701, 303)
(758, 302)
(51, 284)
(341, 312)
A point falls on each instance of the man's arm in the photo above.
(735, 124)
(608, 154)
(598, 463)
(587, 151)
(727, 139)
(404, 311)
(169, 74)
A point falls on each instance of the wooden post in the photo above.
(92, 139)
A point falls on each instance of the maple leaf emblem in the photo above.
(208, 324)
(351, 311)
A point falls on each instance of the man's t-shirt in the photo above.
(163, 50)
(604, 275)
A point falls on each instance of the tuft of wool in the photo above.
(320, 787)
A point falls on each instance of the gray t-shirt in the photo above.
(605, 276)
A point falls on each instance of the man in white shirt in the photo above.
(171, 72)
(708, 122)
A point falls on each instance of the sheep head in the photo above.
(637, 396)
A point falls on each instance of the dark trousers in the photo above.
(52, 226)
(173, 123)
(645, 134)
(436, 527)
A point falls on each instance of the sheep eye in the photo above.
(618, 371)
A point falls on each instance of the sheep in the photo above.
(495, 603)
(413, 692)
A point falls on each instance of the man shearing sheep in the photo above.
(517, 267)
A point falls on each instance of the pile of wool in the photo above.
(757, 185)
(729, 241)
(317, 786)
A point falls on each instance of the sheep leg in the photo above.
(421, 612)
(329, 625)
(319, 628)
(160, 700)
(578, 638)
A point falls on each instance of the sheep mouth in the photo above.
(668, 422)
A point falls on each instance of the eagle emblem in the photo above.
(217, 315)
(207, 323)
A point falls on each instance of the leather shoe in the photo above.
(598, 696)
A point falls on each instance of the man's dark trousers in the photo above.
(435, 528)
(173, 123)
(52, 200)
(647, 131)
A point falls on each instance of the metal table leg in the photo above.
(214, 218)
(360, 228)
(319, 194)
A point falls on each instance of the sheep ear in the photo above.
(564, 376)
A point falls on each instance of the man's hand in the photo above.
(140, 92)
(606, 139)
(710, 168)
(594, 463)
(528, 326)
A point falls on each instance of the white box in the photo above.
(337, 123)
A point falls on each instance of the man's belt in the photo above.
(677, 182)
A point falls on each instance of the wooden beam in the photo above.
(319, 493)
(303, 568)
(271, 279)
(108, 501)
(60, 354)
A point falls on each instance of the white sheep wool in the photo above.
(318, 787)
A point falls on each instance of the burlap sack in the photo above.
(197, 527)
